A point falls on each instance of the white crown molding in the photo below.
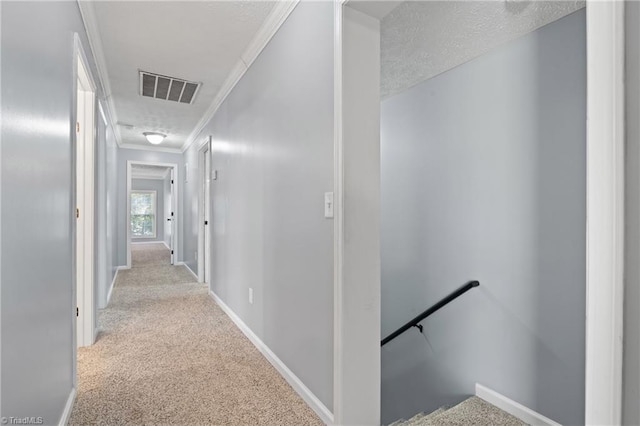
(151, 148)
(90, 22)
(269, 28)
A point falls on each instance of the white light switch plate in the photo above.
(251, 296)
(328, 204)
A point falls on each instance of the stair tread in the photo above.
(415, 420)
(435, 413)
(472, 411)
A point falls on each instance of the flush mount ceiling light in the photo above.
(154, 138)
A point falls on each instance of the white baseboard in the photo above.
(516, 409)
(66, 414)
(166, 245)
(113, 283)
(188, 269)
(323, 412)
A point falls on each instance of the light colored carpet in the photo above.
(472, 411)
(166, 354)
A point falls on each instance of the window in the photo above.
(143, 214)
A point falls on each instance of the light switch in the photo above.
(328, 204)
(250, 295)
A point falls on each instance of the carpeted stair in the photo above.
(473, 411)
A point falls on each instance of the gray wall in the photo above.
(273, 149)
(112, 203)
(158, 186)
(37, 206)
(125, 155)
(483, 177)
(190, 205)
(106, 153)
(631, 366)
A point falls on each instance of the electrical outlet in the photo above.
(251, 296)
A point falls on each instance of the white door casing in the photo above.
(174, 204)
(204, 208)
(605, 212)
(85, 200)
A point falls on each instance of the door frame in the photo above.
(174, 205)
(83, 155)
(605, 215)
(605, 212)
(204, 206)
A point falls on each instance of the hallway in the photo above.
(167, 354)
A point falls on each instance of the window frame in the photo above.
(154, 206)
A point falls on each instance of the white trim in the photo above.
(88, 15)
(136, 243)
(151, 148)
(174, 204)
(68, 407)
(166, 245)
(139, 176)
(83, 188)
(605, 212)
(272, 24)
(338, 219)
(512, 407)
(113, 284)
(312, 401)
(188, 269)
(356, 196)
(202, 265)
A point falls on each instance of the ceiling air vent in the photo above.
(167, 88)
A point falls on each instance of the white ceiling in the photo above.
(421, 39)
(200, 41)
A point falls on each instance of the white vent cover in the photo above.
(167, 88)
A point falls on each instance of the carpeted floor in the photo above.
(167, 354)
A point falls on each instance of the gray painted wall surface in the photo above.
(190, 203)
(631, 366)
(483, 177)
(112, 203)
(158, 186)
(37, 206)
(273, 149)
(125, 155)
(106, 152)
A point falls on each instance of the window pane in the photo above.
(143, 214)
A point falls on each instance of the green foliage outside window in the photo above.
(143, 215)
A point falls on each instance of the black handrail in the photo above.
(415, 322)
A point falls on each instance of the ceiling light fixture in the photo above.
(154, 137)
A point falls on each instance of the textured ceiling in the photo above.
(420, 39)
(199, 41)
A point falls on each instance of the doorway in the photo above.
(604, 193)
(155, 214)
(85, 199)
(204, 209)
